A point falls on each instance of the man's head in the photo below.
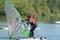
(31, 15)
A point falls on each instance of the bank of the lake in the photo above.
(3, 19)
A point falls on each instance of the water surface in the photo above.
(51, 31)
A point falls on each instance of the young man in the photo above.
(32, 23)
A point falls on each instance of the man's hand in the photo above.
(22, 20)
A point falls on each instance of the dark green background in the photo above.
(44, 10)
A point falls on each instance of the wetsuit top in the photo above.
(32, 20)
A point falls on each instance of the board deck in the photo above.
(30, 39)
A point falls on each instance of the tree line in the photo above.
(40, 8)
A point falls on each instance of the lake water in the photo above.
(50, 31)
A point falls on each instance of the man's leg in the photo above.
(32, 30)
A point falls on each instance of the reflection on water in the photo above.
(46, 19)
(3, 19)
(51, 19)
(51, 31)
(3, 25)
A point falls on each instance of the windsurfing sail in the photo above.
(14, 20)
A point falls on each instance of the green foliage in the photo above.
(40, 8)
(2, 7)
(3, 19)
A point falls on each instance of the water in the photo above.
(51, 31)
(3, 25)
